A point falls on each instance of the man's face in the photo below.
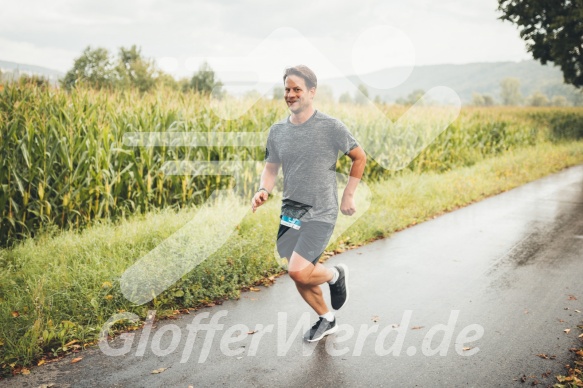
(297, 96)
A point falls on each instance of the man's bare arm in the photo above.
(358, 162)
(348, 205)
(268, 177)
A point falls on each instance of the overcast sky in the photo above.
(339, 37)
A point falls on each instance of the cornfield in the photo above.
(64, 161)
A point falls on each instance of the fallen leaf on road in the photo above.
(159, 370)
(466, 348)
(577, 311)
(25, 371)
(76, 359)
(562, 379)
(40, 362)
(567, 331)
(581, 335)
(252, 332)
(572, 297)
(254, 289)
(542, 355)
(417, 327)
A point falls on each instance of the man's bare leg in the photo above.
(308, 278)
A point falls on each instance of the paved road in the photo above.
(501, 279)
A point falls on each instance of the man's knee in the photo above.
(301, 277)
(300, 269)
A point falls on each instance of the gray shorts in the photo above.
(309, 241)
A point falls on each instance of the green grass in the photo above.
(63, 285)
(64, 161)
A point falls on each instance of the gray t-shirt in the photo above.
(308, 153)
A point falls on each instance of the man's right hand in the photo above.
(259, 199)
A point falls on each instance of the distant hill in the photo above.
(13, 68)
(483, 78)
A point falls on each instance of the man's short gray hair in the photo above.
(304, 72)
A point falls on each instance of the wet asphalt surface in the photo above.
(467, 299)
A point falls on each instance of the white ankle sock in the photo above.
(329, 316)
(335, 277)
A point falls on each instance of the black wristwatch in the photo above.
(264, 189)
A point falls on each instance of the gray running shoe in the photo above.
(320, 329)
(339, 290)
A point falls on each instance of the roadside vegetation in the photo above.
(79, 206)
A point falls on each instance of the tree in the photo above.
(482, 99)
(36, 80)
(278, 92)
(324, 93)
(345, 98)
(578, 98)
(488, 100)
(184, 84)
(412, 98)
(204, 81)
(165, 80)
(510, 91)
(133, 70)
(477, 99)
(97, 69)
(94, 67)
(538, 98)
(361, 96)
(559, 101)
(552, 31)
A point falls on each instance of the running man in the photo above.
(306, 145)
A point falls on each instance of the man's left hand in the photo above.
(348, 207)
